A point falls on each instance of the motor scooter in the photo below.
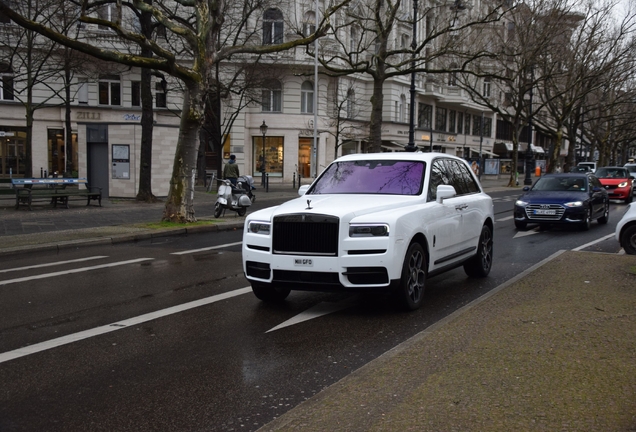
(231, 197)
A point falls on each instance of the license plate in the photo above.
(303, 262)
(545, 212)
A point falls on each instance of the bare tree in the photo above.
(193, 27)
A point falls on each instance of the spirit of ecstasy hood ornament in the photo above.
(308, 205)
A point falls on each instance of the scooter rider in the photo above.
(231, 170)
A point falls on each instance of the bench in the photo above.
(55, 190)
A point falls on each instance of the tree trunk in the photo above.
(145, 161)
(180, 203)
(375, 128)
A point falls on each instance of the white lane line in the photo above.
(609, 236)
(77, 270)
(314, 312)
(505, 218)
(52, 264)
(206, 248)
(64, 340)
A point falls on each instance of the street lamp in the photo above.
(410, 147)
(528, 180)
(263, 132)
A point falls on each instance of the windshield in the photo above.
(384, 177)
(560, 184)
(619, 173)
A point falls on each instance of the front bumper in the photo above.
(561, 215)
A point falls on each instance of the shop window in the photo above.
(109, 90)
(56, 152)
(160, 94)
(273, 155)
(135, 93)
(424, 116)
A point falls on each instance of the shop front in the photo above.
(12, 151)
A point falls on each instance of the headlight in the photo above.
(521, 203)
(368, 230)
(574, 204)
(258, 227)
(624, 184)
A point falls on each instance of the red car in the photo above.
(618, 182)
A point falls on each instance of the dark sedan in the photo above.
(570, 199)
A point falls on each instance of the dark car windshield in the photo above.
(564, 183)
(605, 173)
(385, 177)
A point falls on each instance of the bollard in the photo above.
(537, 171)
(41, 172)
(293, 180)
(266, 182)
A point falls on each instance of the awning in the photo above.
(484, 152)
(536, 149)
(392, 145)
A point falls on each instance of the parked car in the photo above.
(567, 199)
(626, 230)
(373, 222)
(618, 182)
(580, 169)
(590, 165)
(631, 167)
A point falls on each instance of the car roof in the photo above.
(414, 156)
(570, 174)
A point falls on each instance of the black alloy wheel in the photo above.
(481, 263)
(413, 281)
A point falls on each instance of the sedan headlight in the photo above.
(574, 204)
(521, 203)
(257, 227)
(622, 185)
(368, 230)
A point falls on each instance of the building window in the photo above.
(272, 27)
(351, 96)
(452, 115)
(109, 90)
(274, 152)
(108, 13)
(440, 119)
(476, 124)
(135, 93)
(424, 116)
(272, 97)
(309, 26)
(452, 76)
(486, 92)
(6, 74)
(307, 97)
(460, 122)
(467, 124)
(402, 110)
(82, 91)
(487, 127)
(160, 94)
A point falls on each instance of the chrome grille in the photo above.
(544, 211)
(305, 234)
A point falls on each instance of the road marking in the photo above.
(314, 312)
(206, 248)
(64, 340)
(526, 233)
(52, 264)
(505, 219)
(609, 236)
(71, 271)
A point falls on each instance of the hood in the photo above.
(612, 181)
(338, 205)
(553, 197)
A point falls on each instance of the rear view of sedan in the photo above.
(618, 182)
(565, 199)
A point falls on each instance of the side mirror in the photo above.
(445, 191)
(303, 190)
(526, 188)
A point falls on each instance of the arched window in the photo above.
(351, 96)
(272, 96)
(309, 24)
(307, 97)
(486, 92)
(6, 75)
(272, 27)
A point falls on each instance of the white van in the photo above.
(590, 165)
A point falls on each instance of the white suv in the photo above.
(378, 222)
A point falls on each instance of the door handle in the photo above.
(461, 207)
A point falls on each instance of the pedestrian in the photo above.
(231, 170)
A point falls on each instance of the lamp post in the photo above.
(263, 132)
(410, 147)
(528, 180)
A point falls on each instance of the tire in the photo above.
(410, 293)
(481, 263)
(521, 225)
(269, 293)
(630, 198)
(242, 211)
(587, 222)
(218, 209)
(628, 239)
(603, 219)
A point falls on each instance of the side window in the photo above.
(463, 182)
(439, 176)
